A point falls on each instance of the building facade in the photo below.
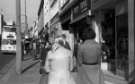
(51, 19)
(41, 16)
(115, 19)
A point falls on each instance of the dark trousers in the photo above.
(43, 55)
(43, 58)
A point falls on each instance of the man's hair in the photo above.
(88, 33)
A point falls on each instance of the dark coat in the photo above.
(89, 52)
(89, 58)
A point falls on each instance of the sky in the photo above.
(8, 7)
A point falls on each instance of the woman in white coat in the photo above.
(59, 64)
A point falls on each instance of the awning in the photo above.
(100, 4)
(65, 20)
(54, 20)
(80, 17)
(65, 17)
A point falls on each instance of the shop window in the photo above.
(108, 33)
(122, 44)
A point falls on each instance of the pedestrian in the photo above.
(89, 53)
(34, 50)
(44, 52)
(43, 72)
(64, 38)
(59, 65)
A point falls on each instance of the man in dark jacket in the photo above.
(89, 58)
(45, 47)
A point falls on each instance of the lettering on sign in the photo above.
(80, 8)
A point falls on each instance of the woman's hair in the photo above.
(61, 40)
(89, 33)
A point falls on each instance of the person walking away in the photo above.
(43, 72)
(89, 53)
(44, 52)
(34, 50)
(58, 64)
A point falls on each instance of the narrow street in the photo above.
(67, 41)
(6, 61)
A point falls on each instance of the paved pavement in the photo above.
(6, 61)
(31, 75)
(113, 79)
(109, 78)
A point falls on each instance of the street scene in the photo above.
(67, 42)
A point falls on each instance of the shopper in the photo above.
(43, 72)
(44, 52)
(58, 64)
(89, 53)
(34, 50)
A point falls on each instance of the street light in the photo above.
(19, 47)
(26, 25)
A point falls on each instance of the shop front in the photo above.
(113, 16)
(74, 15)
(80, 18)
(116, 20)
(65, 20)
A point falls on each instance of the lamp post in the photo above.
(19, 47)
(26, 25)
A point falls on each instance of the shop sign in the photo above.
(82, 7)
(66, 16)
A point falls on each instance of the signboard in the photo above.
(66, 16)
(82, 7)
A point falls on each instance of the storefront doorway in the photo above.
(122, 44)
(115, 34)
(108, 33)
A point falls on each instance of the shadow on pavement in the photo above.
(30, 66)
